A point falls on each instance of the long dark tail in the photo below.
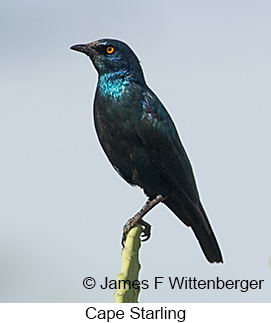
(196, 218)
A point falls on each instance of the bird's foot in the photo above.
(146, 233)
(129, 225)
(138, 219)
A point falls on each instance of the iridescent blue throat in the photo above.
(113, 84)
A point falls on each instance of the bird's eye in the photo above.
(110, 49)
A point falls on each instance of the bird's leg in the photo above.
(138, 219)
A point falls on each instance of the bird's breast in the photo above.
(116, 123)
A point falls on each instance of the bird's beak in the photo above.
(79, 48)
(84, 48)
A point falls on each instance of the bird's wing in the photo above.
(161, 141)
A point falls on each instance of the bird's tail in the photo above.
(196, 218)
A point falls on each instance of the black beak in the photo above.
(79, 48)
(86, 49)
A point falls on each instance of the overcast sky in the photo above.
(62, 204)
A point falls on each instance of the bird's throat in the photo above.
(113, 84)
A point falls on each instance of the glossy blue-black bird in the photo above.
(141, 141)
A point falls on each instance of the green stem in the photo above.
(127, 287)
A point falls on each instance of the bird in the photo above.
(141, 141)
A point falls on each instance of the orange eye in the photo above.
(110, 49)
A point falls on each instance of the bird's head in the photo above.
(112, 56)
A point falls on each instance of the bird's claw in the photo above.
(145, 235)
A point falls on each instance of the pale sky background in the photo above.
(62, 204)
